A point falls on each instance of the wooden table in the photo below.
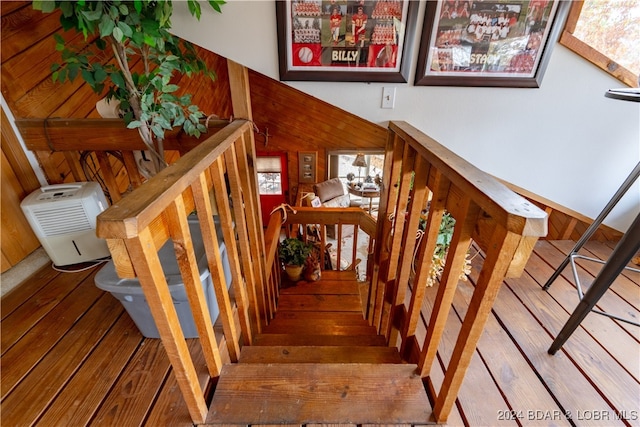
(369, 193)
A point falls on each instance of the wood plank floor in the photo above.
(72, 356)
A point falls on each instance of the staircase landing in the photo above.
(319, 362)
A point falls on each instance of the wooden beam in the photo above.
(99, 135)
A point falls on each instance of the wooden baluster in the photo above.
(188, 265)
(74, 166)
(418, 203)
(240, 203)
(466, 217)
(388, 199)
(245, 157)
(46, 160)
(390, 277)
(241, 101)
(272, 238)
(212, 249)
(245, 296)
(502, 247)
(323, 244)
(107, 175)
(132, 168)
(156, 290)
(354, 249)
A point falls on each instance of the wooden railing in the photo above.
(309, 224)
(418, 173)
(421, 173)
(215, 178)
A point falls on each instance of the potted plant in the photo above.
(133, 31)
(293, 253)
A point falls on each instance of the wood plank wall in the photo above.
(299, 122)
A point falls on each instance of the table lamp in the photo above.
(359, 162)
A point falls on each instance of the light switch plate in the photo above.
(388, 97)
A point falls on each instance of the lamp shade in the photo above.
(359, 161)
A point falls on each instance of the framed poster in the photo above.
(345, 40)
(488, 43)
(307, 167)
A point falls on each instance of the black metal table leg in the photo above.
(631, 179)
(624, 251)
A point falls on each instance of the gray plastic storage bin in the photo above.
(129, 292)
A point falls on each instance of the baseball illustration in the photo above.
(305, 54)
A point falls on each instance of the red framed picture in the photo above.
(345, 40)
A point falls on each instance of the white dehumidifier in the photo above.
(63, 217)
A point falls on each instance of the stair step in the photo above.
(339, 318)
(341, 303)
(319, 340)
(339, 275)
(319, 354)
(304, 393)
(324, 287)
(327, 321)
(319, 326)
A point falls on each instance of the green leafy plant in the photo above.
(146, 60)
(443, 242)
(294, 251)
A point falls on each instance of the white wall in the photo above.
(564, 141)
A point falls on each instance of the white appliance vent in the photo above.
(63, 217)
(75, 220)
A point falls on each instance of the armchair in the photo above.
(332, 194)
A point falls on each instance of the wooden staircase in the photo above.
(320, 362)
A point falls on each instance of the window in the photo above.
(606, 33)
(269, 170)
(341, 164)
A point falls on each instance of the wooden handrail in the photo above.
(338, 217)
(514, 212)
(302, 217)
(571, 223)
(420, 173)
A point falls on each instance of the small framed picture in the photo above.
(316, 203)
(307, 167)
